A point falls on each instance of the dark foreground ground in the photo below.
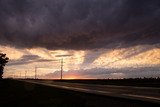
(138, 82)
(15, 93)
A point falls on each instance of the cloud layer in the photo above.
(79, 24)
(28, 59)
(102, 73)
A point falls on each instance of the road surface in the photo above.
(149, 94)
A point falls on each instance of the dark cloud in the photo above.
(65, 55)
(28, 59)
(91, 56)
(104, 73)
(79, 24)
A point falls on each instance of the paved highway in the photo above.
(149, 94)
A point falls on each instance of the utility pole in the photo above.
(20, 75)
(61, 68)
(25, 74)
(35, 73)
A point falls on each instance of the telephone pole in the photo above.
(35, 73)
(61, 68)
(20, 75)
(25, 74)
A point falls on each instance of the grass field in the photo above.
(15, 93)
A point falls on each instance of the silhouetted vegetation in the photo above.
(3, 61)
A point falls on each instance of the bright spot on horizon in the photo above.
(48, 61)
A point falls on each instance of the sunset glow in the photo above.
(110, 59)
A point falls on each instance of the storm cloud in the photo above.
(101, 73)
(79, 24)
(28, 59)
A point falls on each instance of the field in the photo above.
(15, 93)
(138, 82)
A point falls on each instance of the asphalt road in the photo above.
(148, 94)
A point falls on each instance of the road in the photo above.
(149, 94)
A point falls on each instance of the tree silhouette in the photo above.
(3, 61)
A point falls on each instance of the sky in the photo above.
(95, 38)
